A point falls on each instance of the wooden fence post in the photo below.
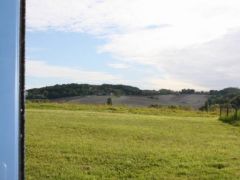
(227, 110)
(220, 111)
(236, 113)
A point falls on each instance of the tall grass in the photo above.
(232, 119)
(89, 142)
(160, 110)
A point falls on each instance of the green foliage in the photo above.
(187, 91)
(233, 119)
(235, 102)
(68, 141)
(166, 91)
(234, 116)
(223, 96)
(71, 90)
(217, 98)
(109, 101)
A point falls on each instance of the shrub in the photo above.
(109, 101)
(234, 118)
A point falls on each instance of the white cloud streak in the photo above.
(169, 83)
(41, 69)
(118, 66)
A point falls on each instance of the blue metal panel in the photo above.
(9, 89)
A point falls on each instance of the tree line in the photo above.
(71, 90)
(224, 96)
(227, 101)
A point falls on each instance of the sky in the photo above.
(151, 44)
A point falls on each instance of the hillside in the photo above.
(120, 94)
(223, 96)
(132, 96)
(192, 100)
(70, 90)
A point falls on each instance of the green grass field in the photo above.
(99, 142)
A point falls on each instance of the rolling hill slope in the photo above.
(191, 100)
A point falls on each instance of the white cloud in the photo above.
(41, 69)
(189, 21)
(118, 65)
(190, 40)
(169, 83)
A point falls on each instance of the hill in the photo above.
(223, 96)
(71, 90)
(129, 95)
(120, 94)
(189, 100)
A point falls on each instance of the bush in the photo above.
(234, 118)
(109, 101)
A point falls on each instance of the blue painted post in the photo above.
(10, 139)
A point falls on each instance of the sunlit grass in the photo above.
(164, 110)
(68, 141)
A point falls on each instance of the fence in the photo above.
(229, 112)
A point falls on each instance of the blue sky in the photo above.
(67, 49)
(77, 51)
(149, 44)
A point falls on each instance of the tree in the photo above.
(236, 102)
(236, 105)
(109, 101)
(187, 91)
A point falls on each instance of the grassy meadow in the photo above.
(69, 141)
